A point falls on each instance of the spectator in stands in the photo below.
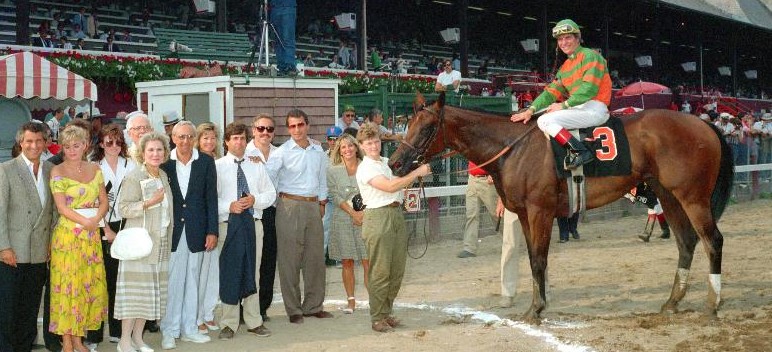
(64, 44)
(81, 44)
(447, 78)
(110, 46)
(482, 71)
(456, 62)
(344, 55)
(80, 19)
(315, 31)
(375, 58)
(44, 27)
(309, 61)
(60, 31)
(44, 41)
(93, 25)
(57, 20)
(334, 63)
(126, 37)
(353, 56)
(77, 32)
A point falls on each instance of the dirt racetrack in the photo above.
(605, 293)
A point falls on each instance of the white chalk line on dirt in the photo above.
(490, 318)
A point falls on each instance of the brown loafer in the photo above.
(320, 314)
(261, 331)
(382, 326)
(393, 322)
(296, 319)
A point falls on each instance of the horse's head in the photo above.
(421, 142)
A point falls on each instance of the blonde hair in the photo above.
(149, 137)
(368, 131)
(73, 134)
(201, 130)
(335, 157)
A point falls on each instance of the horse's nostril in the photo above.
(397, 165)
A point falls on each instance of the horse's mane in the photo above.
(474, 109)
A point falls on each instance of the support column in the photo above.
(463, 43)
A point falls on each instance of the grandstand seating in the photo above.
(205, 45)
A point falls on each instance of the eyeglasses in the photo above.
(113, 143)
(563, 29)
(270, 129)
(349, 115)
(184, 137)
(297, 125)
(141, 128)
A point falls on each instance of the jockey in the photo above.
(584, 85)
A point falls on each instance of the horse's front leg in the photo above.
(538, 232)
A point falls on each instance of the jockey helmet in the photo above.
(565, 27)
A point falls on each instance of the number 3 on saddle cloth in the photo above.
(612, 151)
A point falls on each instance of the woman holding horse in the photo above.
(584, 85)
(383, 226)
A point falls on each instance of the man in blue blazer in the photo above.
(193, 179)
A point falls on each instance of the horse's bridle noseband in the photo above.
(420, 149)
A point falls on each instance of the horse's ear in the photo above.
(420, 101)
(441, 100)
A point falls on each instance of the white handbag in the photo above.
(132, 243)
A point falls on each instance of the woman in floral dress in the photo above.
(78, 284)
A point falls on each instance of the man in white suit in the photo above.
(27, 215)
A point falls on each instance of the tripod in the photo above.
(262, 48)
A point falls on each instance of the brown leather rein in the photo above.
(425, 145)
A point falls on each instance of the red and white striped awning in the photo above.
(29, 76)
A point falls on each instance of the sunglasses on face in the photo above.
(270, 129)
(332, 138)
(297, 125)
(113, 143)
(185, 136)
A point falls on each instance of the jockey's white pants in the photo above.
(591, 113)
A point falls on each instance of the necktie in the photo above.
(241, 182)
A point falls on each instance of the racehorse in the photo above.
(685, 160)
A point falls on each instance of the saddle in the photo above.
(612, 158)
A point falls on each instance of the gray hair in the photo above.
(185, 123)
(134, 116)
(149, 137)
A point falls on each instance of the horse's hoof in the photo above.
(668, 309)
(530, 317)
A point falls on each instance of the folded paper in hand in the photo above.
(149, 187)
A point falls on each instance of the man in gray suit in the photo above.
(27, 216)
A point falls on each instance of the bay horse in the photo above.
(685, 160)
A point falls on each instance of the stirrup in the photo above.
(574, 160)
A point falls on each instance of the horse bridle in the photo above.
(425, 145)
(421, 148)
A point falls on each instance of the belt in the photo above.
(394, 204)
(300, 198)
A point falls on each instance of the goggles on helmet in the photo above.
(565, 28)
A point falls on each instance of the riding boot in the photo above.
(582, 154)
(665, 227)
(647, 230)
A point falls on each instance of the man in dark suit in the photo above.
(193, 179)
(110, 46)
(44, 41)
(27, 215)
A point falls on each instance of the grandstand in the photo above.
(671, 31)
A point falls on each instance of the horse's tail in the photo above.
(723, 187)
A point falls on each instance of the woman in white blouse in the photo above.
(110, 154)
